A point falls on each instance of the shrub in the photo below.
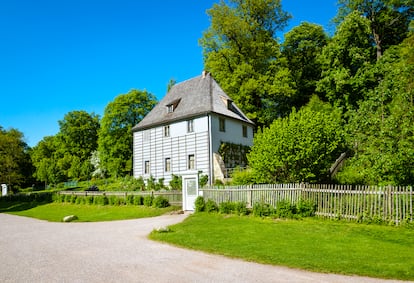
(68, 198)
(284, 209)
(227, 207)
(211, 206)
(78, 200)
(160, 184)
(148, 200)
(140, 184)
(151, 186)
(120, 201)
(306, 208)
(112, 200)
(100, 200)
(130, 199)
(242, 177)
(262, 209)
(89, 200)
(199, 204)
(176, 182)
(240, 208)
(160, 202)
(60, 198)
(138, 200)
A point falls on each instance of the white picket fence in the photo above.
(389, 204)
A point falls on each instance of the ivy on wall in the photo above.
(234, 155)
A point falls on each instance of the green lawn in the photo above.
(85, 213)
(311, 244)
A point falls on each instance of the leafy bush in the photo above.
(151, 185)
(176, 182)
(227, 207)
(160, 184)
(202, 179)
(39, 197)
(148, 200)
(199, 204)
(138, 200)
(242, 177)
(240, 208)
(68, 198)
(306, 208)
(112, 200)
(160, 202)
(211, 206)
(130, 199)
(89, 200)
(100, 200)
(284, 209)
(262, 209)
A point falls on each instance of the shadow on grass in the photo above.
(14, 206)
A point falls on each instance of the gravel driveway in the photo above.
(38, 251)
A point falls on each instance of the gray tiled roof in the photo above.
(194, 97)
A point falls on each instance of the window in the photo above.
(244, 131)
(191, 162)
(147, 167)
(190, 126)
(222, 125)
(167, 164)
(170, 108)
(146, 135)
(166, 131)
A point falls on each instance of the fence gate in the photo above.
(190, 190)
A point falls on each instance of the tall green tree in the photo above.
(301, 47)
(241, 51)
(115, 135)
(45, 158)
(78, 139)
(381, 131)
(15, 165)
(79, 133)
(300, 147)
(346, 63)
(388, 19)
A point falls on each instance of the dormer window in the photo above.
(170, 108)
(228, 102)
(173, 105)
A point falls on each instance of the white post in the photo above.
(3, 189)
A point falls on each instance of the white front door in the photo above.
(190, 192)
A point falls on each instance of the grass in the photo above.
(85, 213)
(311, 244)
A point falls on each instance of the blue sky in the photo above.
(66, 55)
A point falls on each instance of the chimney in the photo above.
(204, 74)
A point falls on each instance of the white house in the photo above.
(188, 130)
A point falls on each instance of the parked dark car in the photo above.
(93, 188)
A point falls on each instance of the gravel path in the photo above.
(38, 251)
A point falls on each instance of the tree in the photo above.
(79, 132)
(15, 165)
(346, 63)
(241, 51)
(300, 147)
(381, 131)
(45, 159)
(388, 19)
(115, 136)
(301, 47)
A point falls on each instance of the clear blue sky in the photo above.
(66, 55)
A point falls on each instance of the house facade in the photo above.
(187, 131)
